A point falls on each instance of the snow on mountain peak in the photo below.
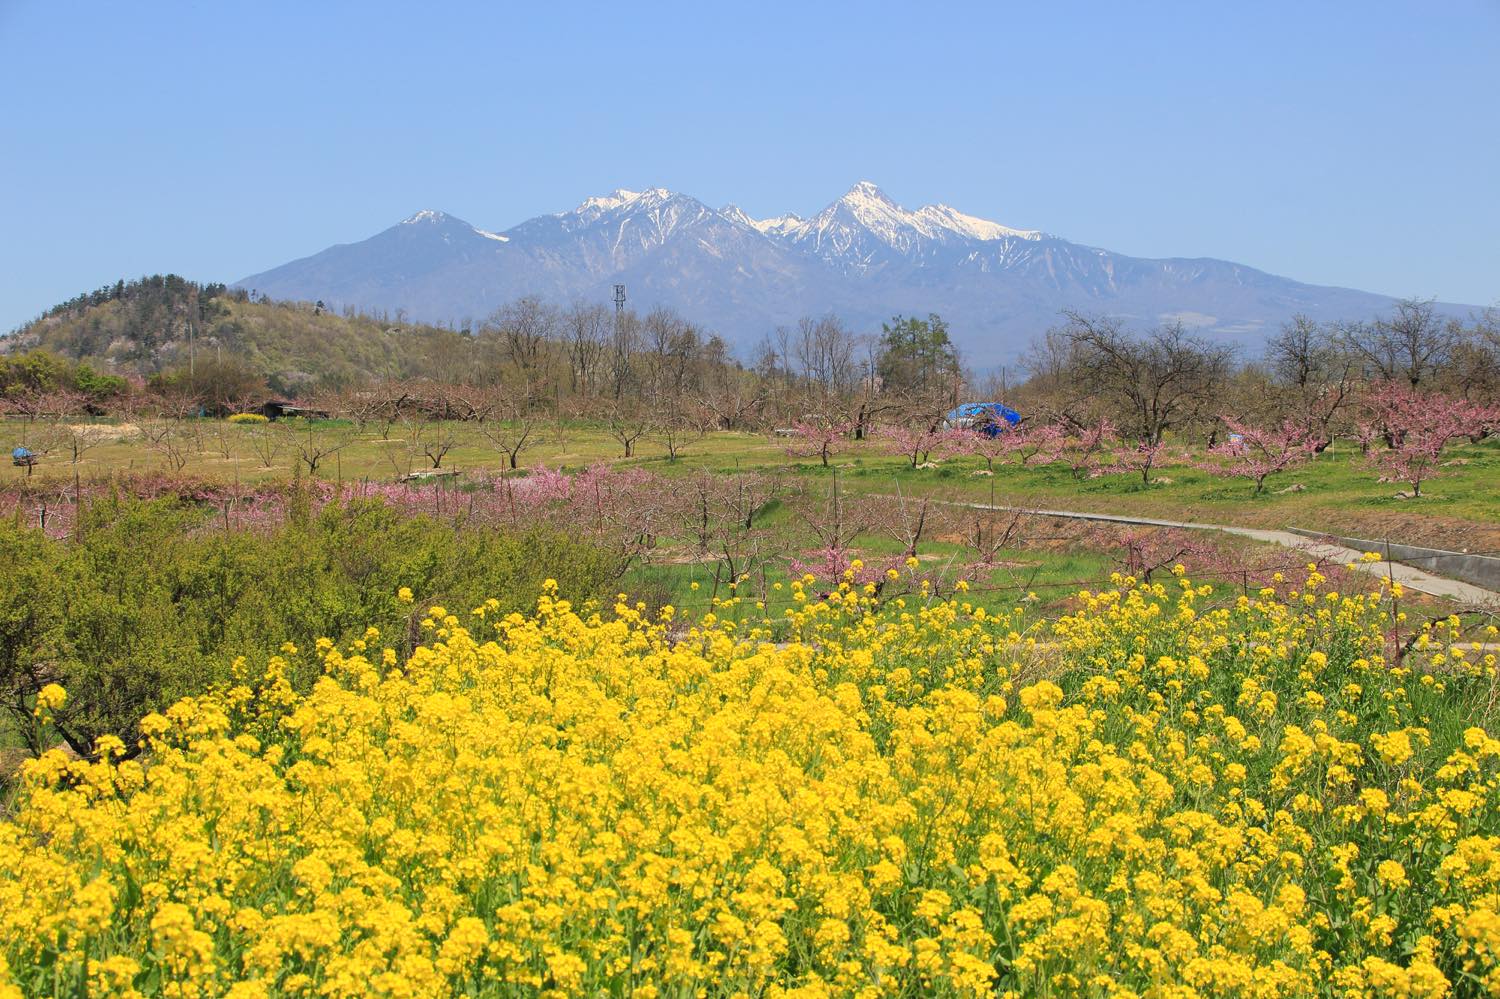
(780, 225)
(866, 193)
(866, 207)
(427, 215)
(940, 216)
(614, 199)
(735, 213)
(621, 197)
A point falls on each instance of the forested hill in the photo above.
(152, 325)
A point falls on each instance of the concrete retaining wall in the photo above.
(1481, 570)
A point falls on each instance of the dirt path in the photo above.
(1411, 578)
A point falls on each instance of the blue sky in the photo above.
(1353, 143)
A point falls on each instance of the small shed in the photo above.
(282, 409)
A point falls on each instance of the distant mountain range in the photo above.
(863, 257)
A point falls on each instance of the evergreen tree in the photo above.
(916, 355)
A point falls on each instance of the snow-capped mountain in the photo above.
(865, 229)
(864, 257)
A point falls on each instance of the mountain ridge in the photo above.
(863, 256)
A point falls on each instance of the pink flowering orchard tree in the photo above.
(1415, 428)
(1087, 450)
(820, 439)
(1038, 443)
(917, 444)
(1140, 459)
(1257, 453)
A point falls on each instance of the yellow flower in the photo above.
(1391, 874)
(50, 698)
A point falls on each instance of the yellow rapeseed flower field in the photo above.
(1164, 793)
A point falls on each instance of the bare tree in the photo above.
(1411, 345)
(317, 444)
(732, 397)
(675, 431)
(628, 424)
(438, 438)
(825, 351)
(523, 329)
(1157, 382)
(513, 429)
(586, 329)
(1309, 363)
(671, 345)
(624, 343)
(162, 425)
(267, 441)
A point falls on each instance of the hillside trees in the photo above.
(228, 350)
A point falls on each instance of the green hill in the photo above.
(158, 324)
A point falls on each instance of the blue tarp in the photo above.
(990, 418)
(20, 452)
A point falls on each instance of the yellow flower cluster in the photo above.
(1161, 794)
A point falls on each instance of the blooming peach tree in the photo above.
(1256, 453)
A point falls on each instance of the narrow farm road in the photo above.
(1407, 576)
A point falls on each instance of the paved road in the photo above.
(1412, 579)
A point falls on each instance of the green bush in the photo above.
(150, 603)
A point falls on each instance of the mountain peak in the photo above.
(866, 192)
(620, 197)
(735, 213)
(431, 216)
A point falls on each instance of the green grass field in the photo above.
(1338, 492)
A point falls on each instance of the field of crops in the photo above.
(1164, 791)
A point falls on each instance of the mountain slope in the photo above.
(863, 257)
(143, 327)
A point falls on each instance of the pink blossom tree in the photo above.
(1036, 443)
(1256, 453)
(820, 439)
(917, 444)
(1144, 551)
(1039, 443)
(1416, 428)
(1087, 450)
(1140, 458)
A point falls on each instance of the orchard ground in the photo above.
(1337, 493)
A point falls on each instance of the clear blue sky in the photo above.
(1343, 143)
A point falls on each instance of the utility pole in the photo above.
(622, 358)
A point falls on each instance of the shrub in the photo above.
(157, 602)
(249, 418)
